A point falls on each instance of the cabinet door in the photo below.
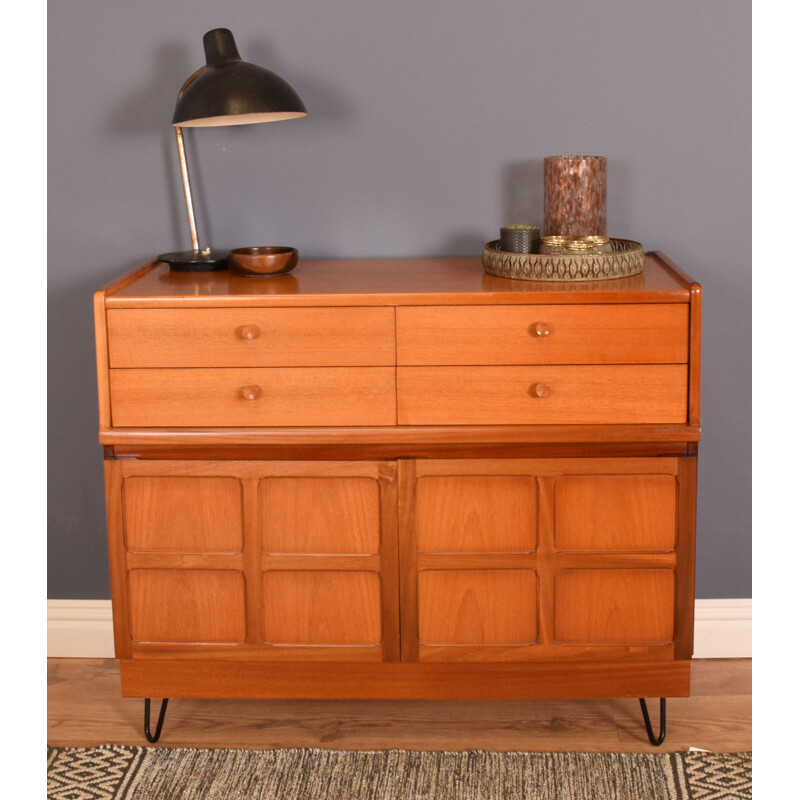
(547, 559)
(254, 560)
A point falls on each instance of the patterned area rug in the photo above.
(114, 772)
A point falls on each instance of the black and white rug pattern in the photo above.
(116, 772)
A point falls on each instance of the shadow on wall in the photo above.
(145, 112)
(620, 201)
(148, 106)
(523, 202)
(76, 550)
(462, 243)
(523, 193)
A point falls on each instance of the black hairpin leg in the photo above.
(663, 728)
(153, 737)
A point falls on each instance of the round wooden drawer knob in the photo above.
(539, 390)
(250, 392)
(539, 329)
(249, 332)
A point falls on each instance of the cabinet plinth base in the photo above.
(401, 681)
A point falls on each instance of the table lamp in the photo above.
(226, 91)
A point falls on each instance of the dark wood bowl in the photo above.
(262, 261)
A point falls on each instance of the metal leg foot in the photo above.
(663, 728)
(153, 737)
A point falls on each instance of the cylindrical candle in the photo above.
(575, 196)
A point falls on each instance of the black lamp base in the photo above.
(196, 260)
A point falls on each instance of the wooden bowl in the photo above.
(262, 261)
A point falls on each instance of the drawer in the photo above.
(570, 395)
(252, 397)
(554, 334)
(257, 337)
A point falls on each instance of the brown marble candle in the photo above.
(574, 196)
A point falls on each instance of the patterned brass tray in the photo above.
(626, 258)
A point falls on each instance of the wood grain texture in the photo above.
(326, 608)
(85, 709)
(101, 355)
(307, 337)
(215, 679)
(546, 334)
(254, 594)
(115, 521)
(490, 654)
(550, 552)
(246, 397)
(546, 467)
(695, 333)
(334, 452)
(615, 512)
(320, 515)
(102, 342)
(546, 567)
(186, 605)
(192, 495)
(407, 559)
(576, 394)
(177, 513)
(249, 468)
(417, 441)
(238, 653)
(685, 557)
(477, 607)
(321, 561)
(476, 514)
(390, 281)
(156, 560)
(390, 561)
(612, 606)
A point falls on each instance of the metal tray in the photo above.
(626, 258)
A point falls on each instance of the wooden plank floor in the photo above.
(85, 708)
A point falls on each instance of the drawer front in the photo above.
(252, 397)
(570, 395)
(257, 337)
(577, 334)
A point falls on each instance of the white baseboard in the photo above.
(79, 629)
(723, 628)
(83, 629)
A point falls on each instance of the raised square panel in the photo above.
(614, 606)
(183, 514)
(177, 605)
(475, 514)
(322, 608)
(615, 512)
(320, 515)
(480, 607)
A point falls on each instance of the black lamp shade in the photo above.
(230, 91)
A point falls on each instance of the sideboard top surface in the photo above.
(400, 281)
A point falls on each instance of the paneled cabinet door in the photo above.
(546, 559)
(254, 560)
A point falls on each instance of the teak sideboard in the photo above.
(400, 478)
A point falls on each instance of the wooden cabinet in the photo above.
(400, 478)
(544, 559)
(261, 559)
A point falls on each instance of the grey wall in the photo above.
(428, 123)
